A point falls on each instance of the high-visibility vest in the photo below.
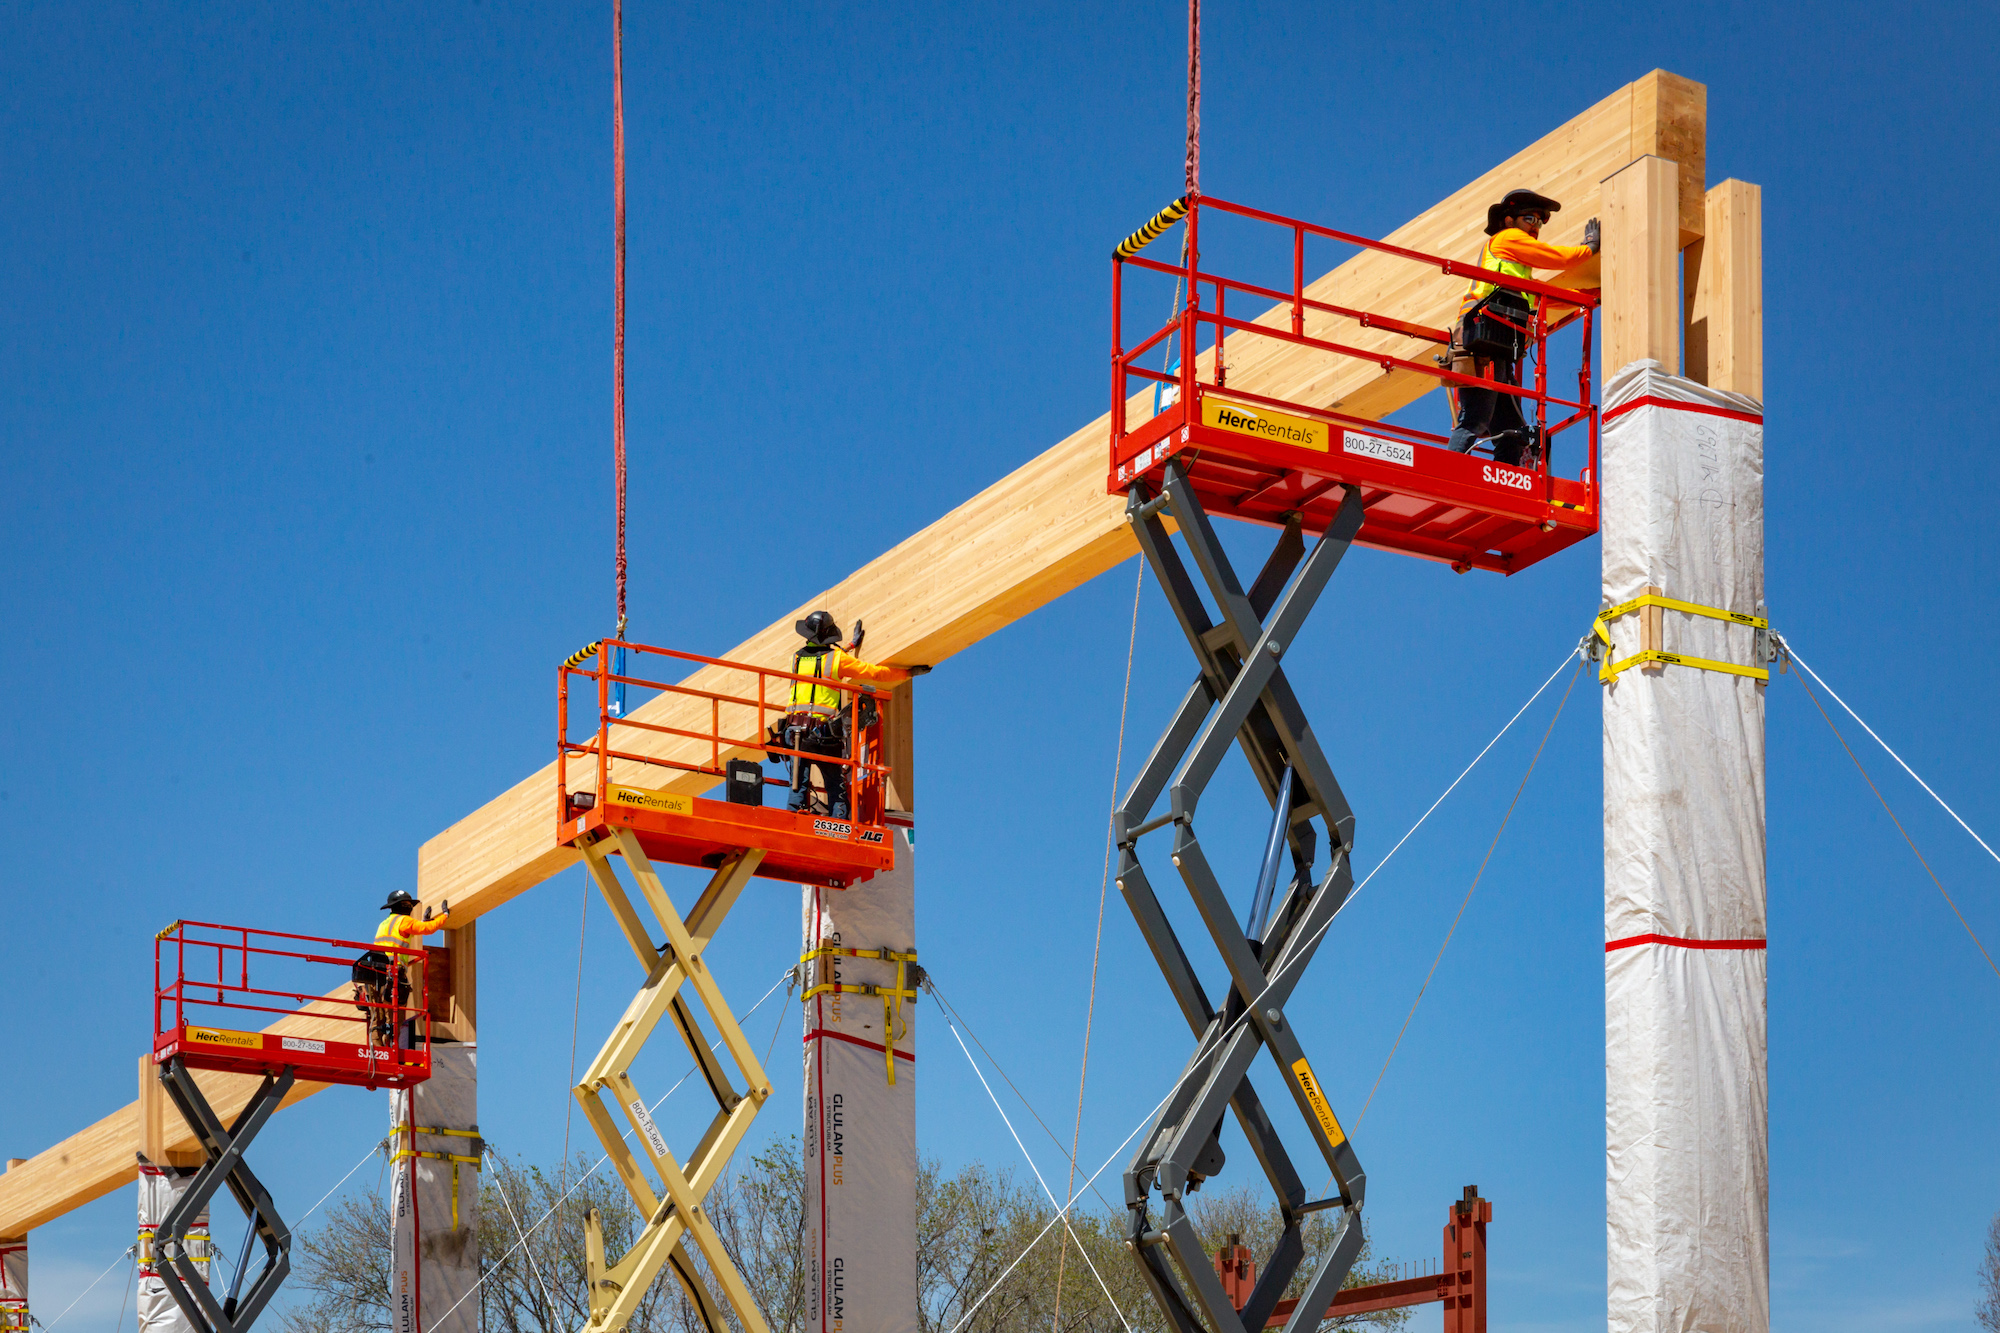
(388, 936)
(1513, 268)
(808, 696)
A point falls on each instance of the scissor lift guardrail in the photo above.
(209, 1013)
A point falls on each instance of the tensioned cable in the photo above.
(1061, 1211)
(87, 1290)
(930, 984)
(1782, 643)
(126, 1299)
(1468, 895)
(1060, 1215)
(343, 1180)
(1097, 945)
(550, 1210)
(1891, 813)
(533, 1267)
(1244, 1017)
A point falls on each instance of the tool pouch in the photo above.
(1497, 328)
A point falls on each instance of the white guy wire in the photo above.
(122, 1255)
(1060, 1215)
(343, 1180)
(1244, 1017)
(547, 1212)
(1061, 1211)
(1793, 654)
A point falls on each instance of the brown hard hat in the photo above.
(1516, 203)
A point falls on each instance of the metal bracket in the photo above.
(617, 1288)
(224, 1149)
(1240, 696)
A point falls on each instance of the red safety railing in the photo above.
(733, 708)
(307, 1005)
(1210, 337)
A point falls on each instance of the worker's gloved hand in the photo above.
(1593, 235)
(918, 670)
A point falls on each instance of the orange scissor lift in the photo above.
(1241, 426)
(263, 1003)
(632, 797)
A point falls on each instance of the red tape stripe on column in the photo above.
(1682, 943)
(1651, 401)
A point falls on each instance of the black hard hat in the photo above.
(1516, 203)
(399, 901)
(818, 628)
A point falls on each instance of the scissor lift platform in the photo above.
(692, 729)
(696, 831)
(210, 1013)
(1252, 456)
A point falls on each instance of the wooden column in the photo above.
(164, 1138)
(1642, 307)
(902, 747)
(1725, 292)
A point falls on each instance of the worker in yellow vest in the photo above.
(1490, 335)
(402, 930)
(817, 716)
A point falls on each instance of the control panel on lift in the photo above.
(1254, 419)
(634, 748)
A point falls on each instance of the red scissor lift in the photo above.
(305, 1016)
(1419, 497)
(1236, 430)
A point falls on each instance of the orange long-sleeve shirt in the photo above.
(843, 665)
(398, 931)
(1515, 244)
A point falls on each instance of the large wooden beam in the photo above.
(1642, 304)
(1036, 534)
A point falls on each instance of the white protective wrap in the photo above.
(434, 1296)
(14, 1286)
(1687, 1164)
(861, 1132)
(160, 1188)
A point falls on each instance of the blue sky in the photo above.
(305, 364)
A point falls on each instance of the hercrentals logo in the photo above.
(666, 802)
(1265, 424)
(1507, 476)
(224, 1037)
(1317, 1100)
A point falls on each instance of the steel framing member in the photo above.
(1240, 696)
(616, 1288)
(223, 1149)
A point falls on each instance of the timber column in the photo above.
(860, 1235)
(14, 1275)
(1686, 1085)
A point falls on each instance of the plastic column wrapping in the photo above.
(1687, 1179)
(861, 1132)
(160, 1188)
(435, 1264)
(13, 1285)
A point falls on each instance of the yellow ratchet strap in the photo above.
(892, 996)
(1611, 670)
(403, 1154)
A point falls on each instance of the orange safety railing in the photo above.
(209, 1009)
(734, 707)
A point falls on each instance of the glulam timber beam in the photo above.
(1041, 531)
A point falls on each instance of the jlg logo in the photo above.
(1506, 476)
